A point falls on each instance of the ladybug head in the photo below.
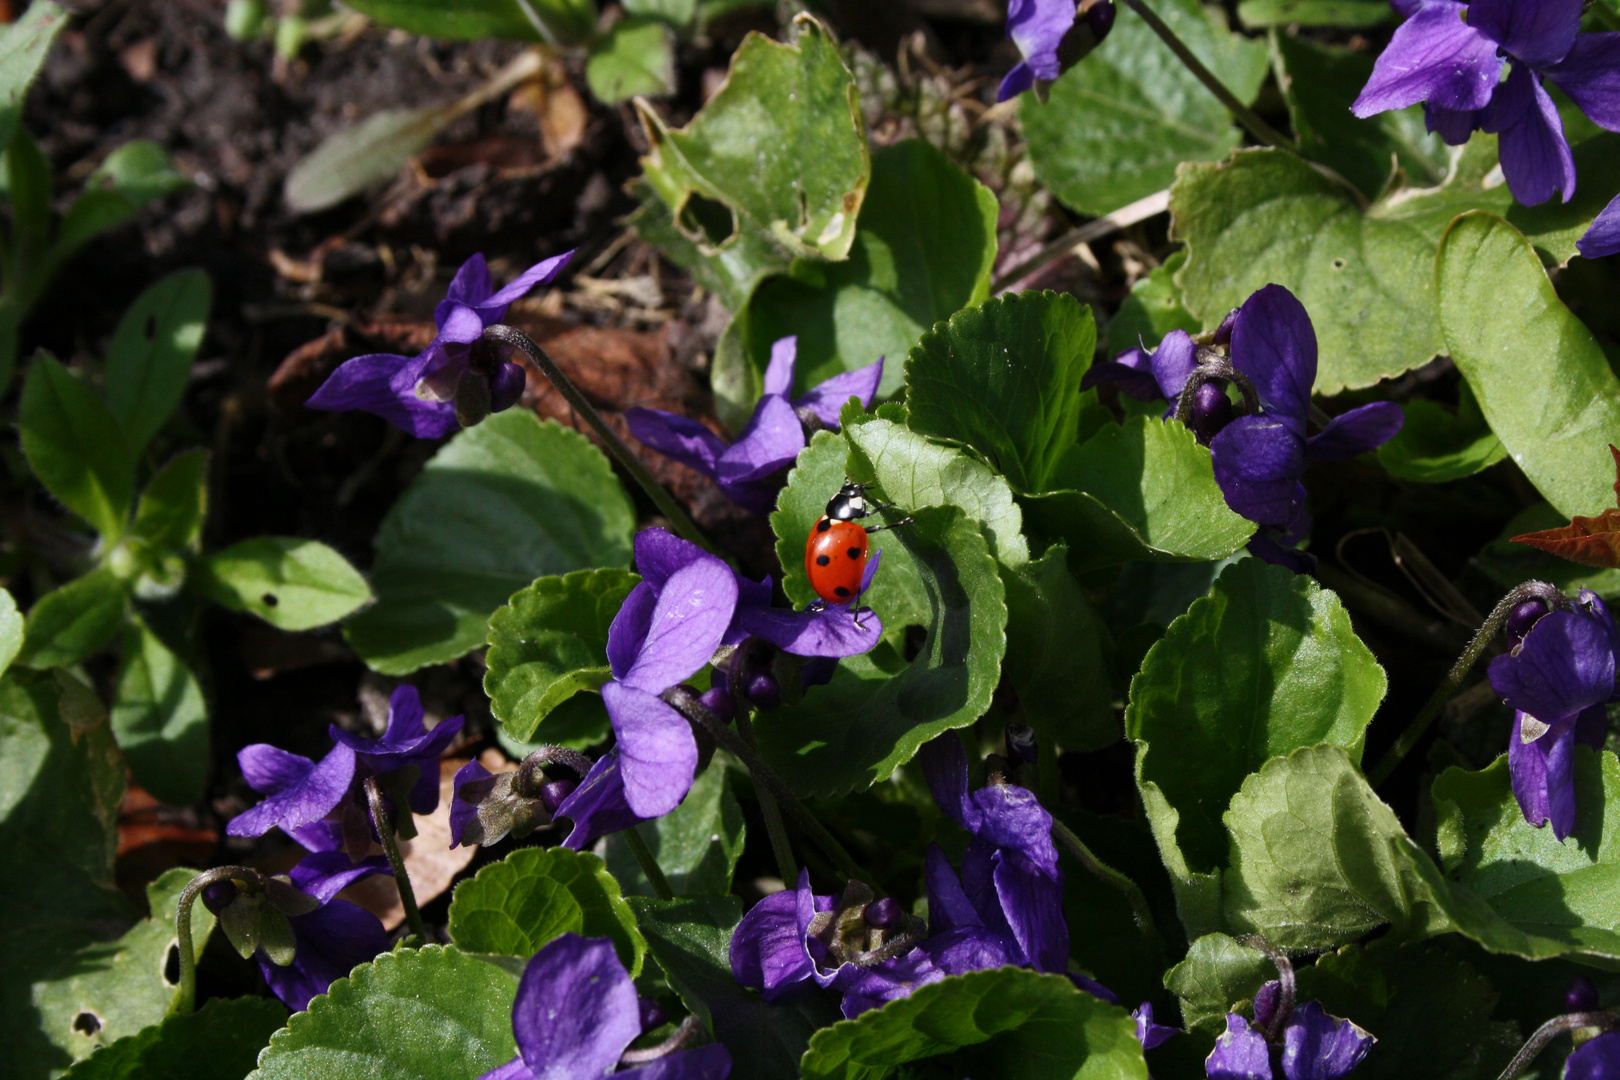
(849, 504)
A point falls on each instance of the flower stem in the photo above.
(1530, 590)
(1133, 894)
(648, 863)
(786, 865)
(678, 518)
(1549, 1031)
(390, 844)
(1245, 115)
(185, 995)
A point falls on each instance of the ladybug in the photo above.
(835, 553)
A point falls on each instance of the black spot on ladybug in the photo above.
(841, 591)
(823, 525)
(854, 553)
(822, 560)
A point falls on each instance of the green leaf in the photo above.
(1268, 217)
(534, 895)
(11, 630)
(1114, 128)
(1011, 1022)
(429, 1012)
(1217, 975)
(499, 505)
(772, 169)
(1542, 380)
(636, 58)
(1436, 445)
(549, 642)
(28, 189)
(22, 53)
(1404, 996)
(1354, 14)
(691, 940)
(68, 624)
(1057, 654)
(149, 360)
(290, 583)
(938, 574)
(220, 1041)
(1152, 310)
(76, 447)
(169, 516)
(129, 178)
(1004, 378)
(160, 718)
(1319, 83)
(1316, 859)
(924, 247)
(697, 844)
(677, 13)
(122, 985)
(354, 159)
(562, 22)
(1142, 490)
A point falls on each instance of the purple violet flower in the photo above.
(1603, 238)
(1148, 1033)
(1597, 1059)
(1037, 28)
(1450, 56)
(746, 469)
(1259, 458)
(1313, 1045)
(322, 804)
(1557, 679)
(576, 1014)
(419, 394)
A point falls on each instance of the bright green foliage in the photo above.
(941, 575)
(1542, 380)
(149, 360)
(563, 22)
(76, 447)
(289, 583)
(924, 247)
(11, 630)
(1436, 444)
(773, 168)
(1406, 996)
(1217, 975)
(429, 1012)
(1006, 1022)
(1115, 126)
(1057, 654)
(22, 53)
(123, 984)
(1347, 13)
(515, 906)
(1004, 378)
(501, 504)
(68, 624)
(697, 844)
(549, 642)
(636, 58)
(160, 717)
(690, 939)
(1152, 310)
(1143, 490)
(168, 518)
(220, 1041)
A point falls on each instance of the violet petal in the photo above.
(1598, 1059)
(678, 437)
(324, 874)
(709, 1062)
(1317, 1046)
(1258, 461)
(629, 627)
(767, 949)
(1566, 663)
(779, 371)
(1603, 238)
(1534, 32)
(1543, 775)
(657, 752)
(543, 272)
(1356, 432)
(771, 441)
(1535, 156)
(330, 941)
(692, 613)
(1240, 1053)
(830, 631)
(303, 801)
(576, 1010)
(1173, 363)
(828, 398)
(1590, 75)
(1274, 344)
(598, 806)
(1434, 56)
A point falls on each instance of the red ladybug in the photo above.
(835, 554)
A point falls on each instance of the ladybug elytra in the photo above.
(835, 553)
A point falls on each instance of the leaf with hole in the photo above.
(291, 584)
(220, 1041)
(498, 506)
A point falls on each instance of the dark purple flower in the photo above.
(1558, 679)
(419, 394)
(746, 469)
(1603, 238)
(1313, 1045)
(1597, 1059)
(1037, 28)
(1010, 893)
(1260, 457)
(1450, 56)
(330, 939)
(1148, 1033)
(322, 804)
(598, 805)
(576, 1014)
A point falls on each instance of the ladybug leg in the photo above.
(896, 525)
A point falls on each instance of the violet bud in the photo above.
(764, 691)
(1223, 332)
(553, 794)
(652, 1013)
(1581, 996)
(717, 701)
(1211, 410)
(1099, 17)
(507, 387)
(1521, 619)
(218, 895)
